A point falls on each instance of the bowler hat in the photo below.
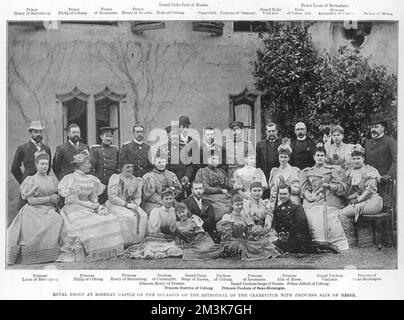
(378, 119)
(184, 121)
(326, 118)
(236, 124)
(35, 125)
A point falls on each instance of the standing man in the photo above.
(267, 150)
(25, 154)
(209, 145)
(137, 151)
(303, 148)
(324, 137)
(201, 207)
(237, 149)
(381, 150)
(62, 162)
(104, 159)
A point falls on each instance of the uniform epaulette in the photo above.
(127, 142)
(95, 145)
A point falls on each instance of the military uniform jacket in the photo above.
(62, 162)
(25, 154)
(138, 154)
(267, 155)
(236, 151)
(218, 151)
(104, 160)
(382, 154)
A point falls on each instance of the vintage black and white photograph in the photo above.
(201, 145)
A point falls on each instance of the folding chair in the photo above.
(388, 191)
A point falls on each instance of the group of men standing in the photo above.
(106, 157)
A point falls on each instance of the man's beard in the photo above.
(374, 134)
(301, 135)
(38, 139)
(75, 139)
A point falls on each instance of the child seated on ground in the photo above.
(236, 231)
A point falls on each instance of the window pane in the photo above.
(77, 113)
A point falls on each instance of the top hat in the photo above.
(378, 119)
(184, 121)
(236, 124)
(36, 125)
(326, 118)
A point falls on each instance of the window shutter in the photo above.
(141, 26)
(213, 27)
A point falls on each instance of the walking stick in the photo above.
(325, 213)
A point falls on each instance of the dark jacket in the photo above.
(25, 154)
(62, 162)
(382, 154)
(218, 150)
(178, 152)
(267, 155)
(138, 154)
(206, 213)
(302, 153)
(104, 160)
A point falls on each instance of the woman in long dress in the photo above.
(160, 240)
(155, 182)
(33, 236)
(124, 198)
(90, 233)
(195, 242)
(284, 174)
(238, 235)
(243, 177)
(339, 153)
(361, 193)
(216, 186)
(322, 187)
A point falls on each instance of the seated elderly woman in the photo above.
(90, 232)
(284, 174)
(159, 242)
(124, 198)
(216, 186)
(361, 192)
(156, 181)
(243, 177)
(33, 236)
(339, 153)
(322, 187)
(239, 236)
(195, 242)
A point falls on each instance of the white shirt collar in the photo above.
(183, 138)
(37, 144)
(138, 142)
(74, 145)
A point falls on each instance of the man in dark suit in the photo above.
(303, 148)
(210, 145)
(267, 150)
(381, 150)
(104, 160)
(25, 154)
(138, 151)
(201, 207)
(62, 162)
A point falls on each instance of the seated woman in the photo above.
(322, 187)
(236, 230)
(155, 182)
(159, 242)
(361, 192)
(292, 229)
(284, 174)
(33, 236)
(195, 242)
(124, 198)
(259, 211)
(339, 153)
(216, 186)
(90, 232)
(243, 177)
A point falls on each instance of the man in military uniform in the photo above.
(381, 150)
(62, 162)
(25, 154)
(104, 160)
(291, 224)
(138, 151)
(237, 149)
